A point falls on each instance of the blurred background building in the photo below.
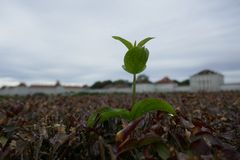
(203, 81)
(206, 80)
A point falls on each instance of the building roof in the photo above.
(165, 80)
(206, 72)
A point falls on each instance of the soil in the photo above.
(54, 127)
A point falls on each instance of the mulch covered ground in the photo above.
(54, 127)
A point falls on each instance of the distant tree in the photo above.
(22, 84)
(185, 82)
(121, 83)
(176, 81)
(3, 87)
(142, 78)
(109, 83)
(101, 84)
(182, 83)
(85, 86)
(57, 83)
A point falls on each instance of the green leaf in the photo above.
(163, 151)
(3, 141)
(106, 113)
(151, 104)
(124, 41)
(144, 41)
(95, 116)
(114, 113)
(138, 110)
(135, 60)
(135, 44)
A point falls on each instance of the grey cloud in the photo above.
(71, 41)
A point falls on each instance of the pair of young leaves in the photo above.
(134, 62)
(138, 110)
(137, 55)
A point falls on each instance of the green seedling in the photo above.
(135, 61)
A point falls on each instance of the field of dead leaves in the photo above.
(207, 126)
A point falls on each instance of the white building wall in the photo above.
(231, 87)
(140, 88)
(47, 90)
(211, 82)
(197, 83)
(14, 91)
(182, 89)
(165, 87)
(70, 90)
(19, 90)
(108, 90)
(145, 87)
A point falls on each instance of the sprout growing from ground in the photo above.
(135, 61)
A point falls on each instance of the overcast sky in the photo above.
(48, 40)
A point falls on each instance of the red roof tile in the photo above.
(165, 80)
